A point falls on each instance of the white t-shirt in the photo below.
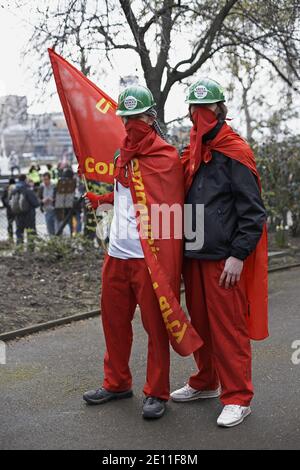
(124, 241)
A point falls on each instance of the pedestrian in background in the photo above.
(64, 199)
(9, 214)
(53, 173)
(23, 203)
(78, 206)
(34, 176)
(14, 162)
(47, 198)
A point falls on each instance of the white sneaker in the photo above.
(232, 415)
(188, 393)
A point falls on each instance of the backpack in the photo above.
(18, 203)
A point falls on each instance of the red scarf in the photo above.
(226, 141)
(139, 138)
(233, 146)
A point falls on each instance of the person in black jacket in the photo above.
(9, 214)
(25, 220)
(223, 182)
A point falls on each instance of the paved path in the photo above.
(42, 384)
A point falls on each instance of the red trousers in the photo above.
(126, 283)
(219, 315)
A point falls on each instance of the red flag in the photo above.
(95, 129)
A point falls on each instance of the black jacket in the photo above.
(234, 213)
(27, 218)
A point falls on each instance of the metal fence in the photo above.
(40, 217)
(40, 224)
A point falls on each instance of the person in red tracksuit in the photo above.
(126, 281)
(221, 175)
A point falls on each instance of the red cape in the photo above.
(156, 177)
(233, 146)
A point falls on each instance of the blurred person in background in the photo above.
(64, 198)
(53, 173)
(9, 214)
(23, 203)
(14, 162)
(47, 198)
(78, 206)
(59, 170)
(34, 176)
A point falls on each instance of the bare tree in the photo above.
(244, 71)
(151, 29)
(254, 89)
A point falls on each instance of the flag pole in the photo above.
(87, 190)
(94, 213)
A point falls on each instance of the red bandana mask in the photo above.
(204, 120)
(140, 137)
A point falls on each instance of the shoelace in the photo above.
(187, 389)
(150, 400)
(232, 409)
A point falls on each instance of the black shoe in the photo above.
(101, 395)
(153, 408)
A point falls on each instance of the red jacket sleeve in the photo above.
(96, 199)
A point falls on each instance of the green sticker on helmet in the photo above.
(133, 100)
(205, 91)
(200, 91)
(130, 102)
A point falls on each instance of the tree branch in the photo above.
(206, 43)
(137, 34)
(275, 66)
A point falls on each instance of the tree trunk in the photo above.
(249, 129)
(154, 84)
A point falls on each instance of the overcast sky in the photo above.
(12, 36)
(15, 29)
(16, 26)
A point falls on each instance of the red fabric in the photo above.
(220, 316)
(233, 146)
(139, 138)
(96, 130)
(155, 177)
(128, 283)
(203, 121)
(227, 142)
(98, 199)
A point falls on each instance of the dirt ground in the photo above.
(35, 287)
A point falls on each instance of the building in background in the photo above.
(37, 137)
(13, 110)
(179, 135)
